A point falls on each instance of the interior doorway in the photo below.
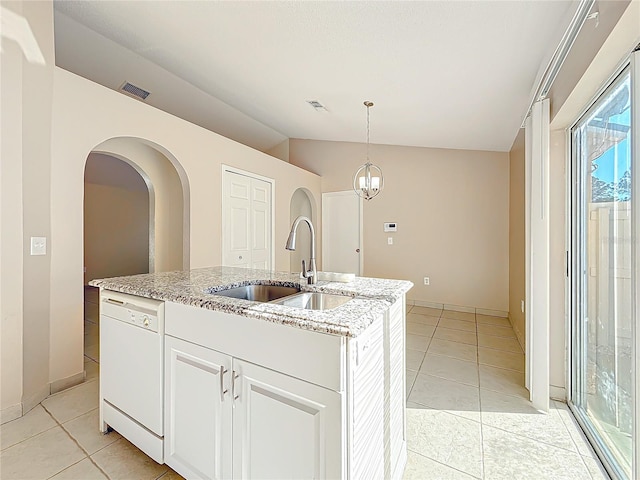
(342, 232)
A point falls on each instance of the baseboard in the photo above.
(32, 401)
(64, 383)
(459, 308)
(10, 413)
(558, 393)
(518, 333)
(421, 303)
(492, 313)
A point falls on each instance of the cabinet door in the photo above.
(283, 427)
(198, 410)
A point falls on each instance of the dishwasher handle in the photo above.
(113, 301)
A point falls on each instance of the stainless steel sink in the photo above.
(258, 293)
(313, 301)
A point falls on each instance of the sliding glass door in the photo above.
(603, 387)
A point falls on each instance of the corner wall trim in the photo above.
(64, 383)
(492, 313)
(558, 393)
(519, 334)
(30, 402)
(10, 413)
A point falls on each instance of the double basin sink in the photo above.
(287, 296)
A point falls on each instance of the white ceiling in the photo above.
(447, 74)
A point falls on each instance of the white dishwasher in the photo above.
(131, 369)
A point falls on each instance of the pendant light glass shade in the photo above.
(368, 180)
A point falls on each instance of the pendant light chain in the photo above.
(368, 129)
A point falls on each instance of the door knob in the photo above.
(357, 250)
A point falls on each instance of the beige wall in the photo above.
(517, 292)
(11, 236)
(116, 231)
(451, 207)
(84, 116)
(26, 127)
(280, 151)
(557, 260)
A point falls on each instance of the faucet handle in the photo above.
(304, 270)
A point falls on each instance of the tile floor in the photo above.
(467, 410)
(59, 439)
(467, 415)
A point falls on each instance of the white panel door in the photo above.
(284, 428)
(246, 221)
(261, 224)
(198, 410)
(342, 232)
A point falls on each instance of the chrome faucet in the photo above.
(311, 274)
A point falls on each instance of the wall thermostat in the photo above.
(391, 227)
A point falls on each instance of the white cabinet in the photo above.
(230, 418)
(250, 399)
(284, 427)
(198, 410)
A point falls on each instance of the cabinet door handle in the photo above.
(234, 377)
(222, 389)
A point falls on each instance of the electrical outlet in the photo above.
(389, 240)
(426, 280)
(522, 305)
(38, 245)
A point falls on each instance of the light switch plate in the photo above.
(38, 245)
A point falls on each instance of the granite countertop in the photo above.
(371, 296)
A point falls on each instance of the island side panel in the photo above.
(395, 389)
(366, 407)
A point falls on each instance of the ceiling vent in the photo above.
(317, 106)
(133, 91)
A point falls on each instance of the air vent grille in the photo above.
(317, 105)
(134, 91)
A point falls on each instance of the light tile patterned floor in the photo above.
(467, 415)
(59, 439)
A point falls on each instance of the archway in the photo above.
(301, 204)
(170, 221)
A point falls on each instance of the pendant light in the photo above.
(368, 180)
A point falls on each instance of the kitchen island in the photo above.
(267, 390)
